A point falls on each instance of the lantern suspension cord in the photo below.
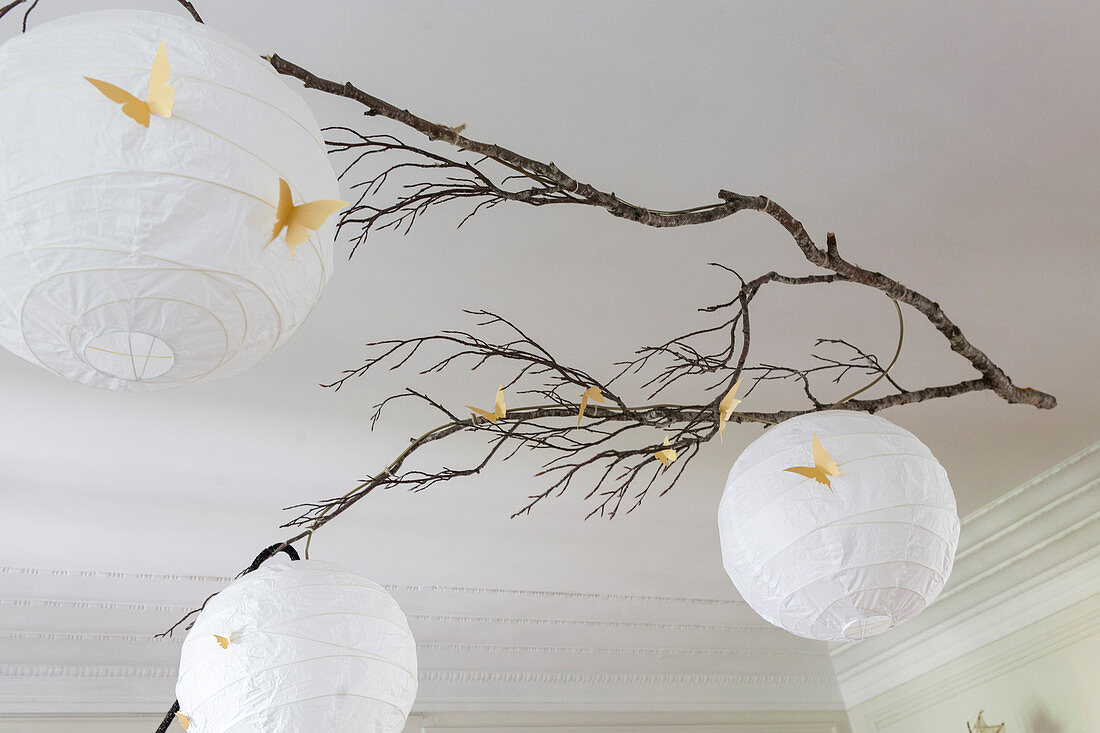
(268, 553)
(169, 717)
(879, 378)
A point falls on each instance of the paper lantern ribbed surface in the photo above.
(312, 647)
(849, 562)
(133, 258)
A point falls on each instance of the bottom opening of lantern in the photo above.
(131, 355)
(868, 626)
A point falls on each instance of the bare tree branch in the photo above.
(190, 9)
(732, 203)
(611, 452)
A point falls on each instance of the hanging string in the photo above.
(879, 378)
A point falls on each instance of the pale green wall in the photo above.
(1044, 678)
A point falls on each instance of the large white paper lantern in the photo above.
(847, 562)
(133, 258)
(311, 647)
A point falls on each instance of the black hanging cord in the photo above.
(264, 556)
(269, 553)
(168, 718)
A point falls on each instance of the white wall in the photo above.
(1044, 678)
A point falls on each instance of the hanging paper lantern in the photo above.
(298, 646)
(844, 551)
(140, 164)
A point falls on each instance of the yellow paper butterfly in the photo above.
(666, 456)
(184, 720)
(726, 407)
(499, 408)
(592, 393)
(824, 466)
(980, 726)
(162, 97)
(223, 641)
(300, 220)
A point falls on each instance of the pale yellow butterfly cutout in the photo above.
(183, 720)
(666, 456)
(824, 466)
(980, 726)
(592, 393)
(726, 407)
(499, 408)
(162, 96)
(300, 220)
(223, 641)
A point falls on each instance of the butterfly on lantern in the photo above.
(161, 98)
(824, 465)
(299, 221)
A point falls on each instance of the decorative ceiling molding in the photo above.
(1025, 556)
(657, 727)
(613, 651)
(114, 575)
(541, 678)
(84, 688)
(456, 647)
(99, 605)
(553, 650)
(1085, 458)
(610, 678)
(413, 617)
(596, 623)
(87, 670)
(397, 589)
(84, 636)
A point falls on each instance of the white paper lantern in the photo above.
(133, 258)
(849, 562)
(311, 647)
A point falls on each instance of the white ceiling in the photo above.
(950, 145)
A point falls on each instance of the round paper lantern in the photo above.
(298, 646)
(844, 561)
(133, 257)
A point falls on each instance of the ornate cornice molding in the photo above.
(623, 678)
(392, 588)
(420, 618)
(550, 650)
(40, 636)
(448, 676)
